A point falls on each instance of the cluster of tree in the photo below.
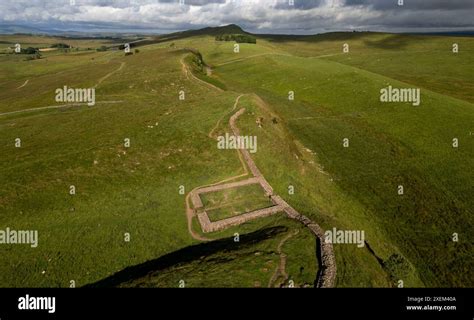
(60, 46)
(197, 58)
(131, 53)
(33, 53)
(102, 48)
(199, 61)
(239, 38)
(29, 50)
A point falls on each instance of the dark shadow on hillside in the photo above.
(372, 252)
(380, 261)
(319, 260)
(232, 29)
(187, 255)
(391, 42)
(334, 36)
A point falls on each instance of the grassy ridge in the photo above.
(423, 61)
(285, 162)
(391, 144)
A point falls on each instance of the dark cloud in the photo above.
(299, 4)
(264, 16)
(413, 4)
(191, 2)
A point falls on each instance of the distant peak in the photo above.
(230, 28)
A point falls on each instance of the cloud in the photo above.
(414, 4)
(265, 16)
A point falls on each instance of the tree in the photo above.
(239, 38)
(60, 46)
(29, 50)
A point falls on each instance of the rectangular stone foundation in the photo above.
(208, 226)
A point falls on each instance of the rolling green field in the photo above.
(132, 193)
(391, 145)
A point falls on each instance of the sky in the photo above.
(257, 16)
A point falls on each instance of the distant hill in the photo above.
(211, 31)
(12, 29)
(214, 31)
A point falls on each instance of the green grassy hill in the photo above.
(337, 97)
(135, 190)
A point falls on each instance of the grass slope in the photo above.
(118, 190)
(391, 144)
(135, 190)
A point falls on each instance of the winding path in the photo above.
(254, 56)
(24, 84)
(280, 271)
(188, 72)
(58, 107)
(275, 54)
(122, 64)
(211, 133)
